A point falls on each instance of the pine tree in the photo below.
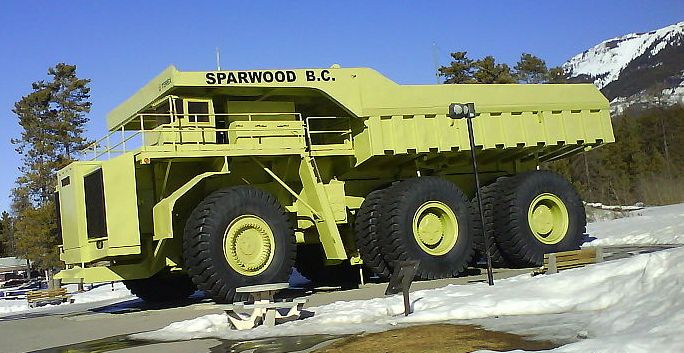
(53, 120)
(6, 235)
(531, 69)
(556, 75)
(460, 70)
(70, 95)
(488, 71)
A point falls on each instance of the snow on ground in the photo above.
(601, 206)
(628, 305)
(652, 225)
(102, 293)
(10, 306)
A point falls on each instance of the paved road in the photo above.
(73, 324)
(34, 332)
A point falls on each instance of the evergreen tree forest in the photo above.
(529, 69)
(645, 164)
(52, 118)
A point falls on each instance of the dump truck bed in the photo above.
(365, 92)
(546, 121)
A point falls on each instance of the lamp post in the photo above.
(467, 111)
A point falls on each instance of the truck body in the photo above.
(318, 140)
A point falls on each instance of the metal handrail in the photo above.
(310, 131)
(105, 145)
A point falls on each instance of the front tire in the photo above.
(427, 219)
(237, 237)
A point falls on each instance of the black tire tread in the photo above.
(368, 236)
(394, 247)
(489, 193)
(509, 228)
(202, 223)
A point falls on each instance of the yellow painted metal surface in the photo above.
(314, 193)
(120, 202)
(319, 139)
(365, 92)
(72, 207)
(163, 210)
(548, 218)
(249, 245)
(435, 228)
(148, 266)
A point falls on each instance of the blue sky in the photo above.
(122, 44)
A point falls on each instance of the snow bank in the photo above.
(8, 306)
(653, 225)
(634, 305)
(102, 293)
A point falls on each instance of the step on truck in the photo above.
(221, 179)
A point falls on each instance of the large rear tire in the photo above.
(480, 229)
(368, 237)
(536, 213)
(162, 287)
(427, 219)
(237, 237)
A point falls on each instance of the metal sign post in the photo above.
(467, 111)
(401, 280)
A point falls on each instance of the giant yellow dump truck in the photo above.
(221, 179)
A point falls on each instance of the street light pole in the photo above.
(467, 111)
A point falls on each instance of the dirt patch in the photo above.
(436, 338)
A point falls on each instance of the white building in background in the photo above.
(12, 267)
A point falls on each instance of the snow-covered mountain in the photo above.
(636, 67)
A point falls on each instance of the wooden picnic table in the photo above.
(264, 310)
(263, 291)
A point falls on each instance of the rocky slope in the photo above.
(637, 68)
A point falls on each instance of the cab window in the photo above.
(198, 112)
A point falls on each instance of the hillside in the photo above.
(636, 68)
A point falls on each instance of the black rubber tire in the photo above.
(162, 287)
(511, 227)
(398, 207)
(311, 264)
(489, 193)
(367, 235)
(204, 236)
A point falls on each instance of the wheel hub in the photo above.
(542, 219)
(249, 245)
(430, 229)
(548, 218)
(435, 228)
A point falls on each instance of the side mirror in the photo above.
(462, 110)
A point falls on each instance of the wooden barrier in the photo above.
(559, 261)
